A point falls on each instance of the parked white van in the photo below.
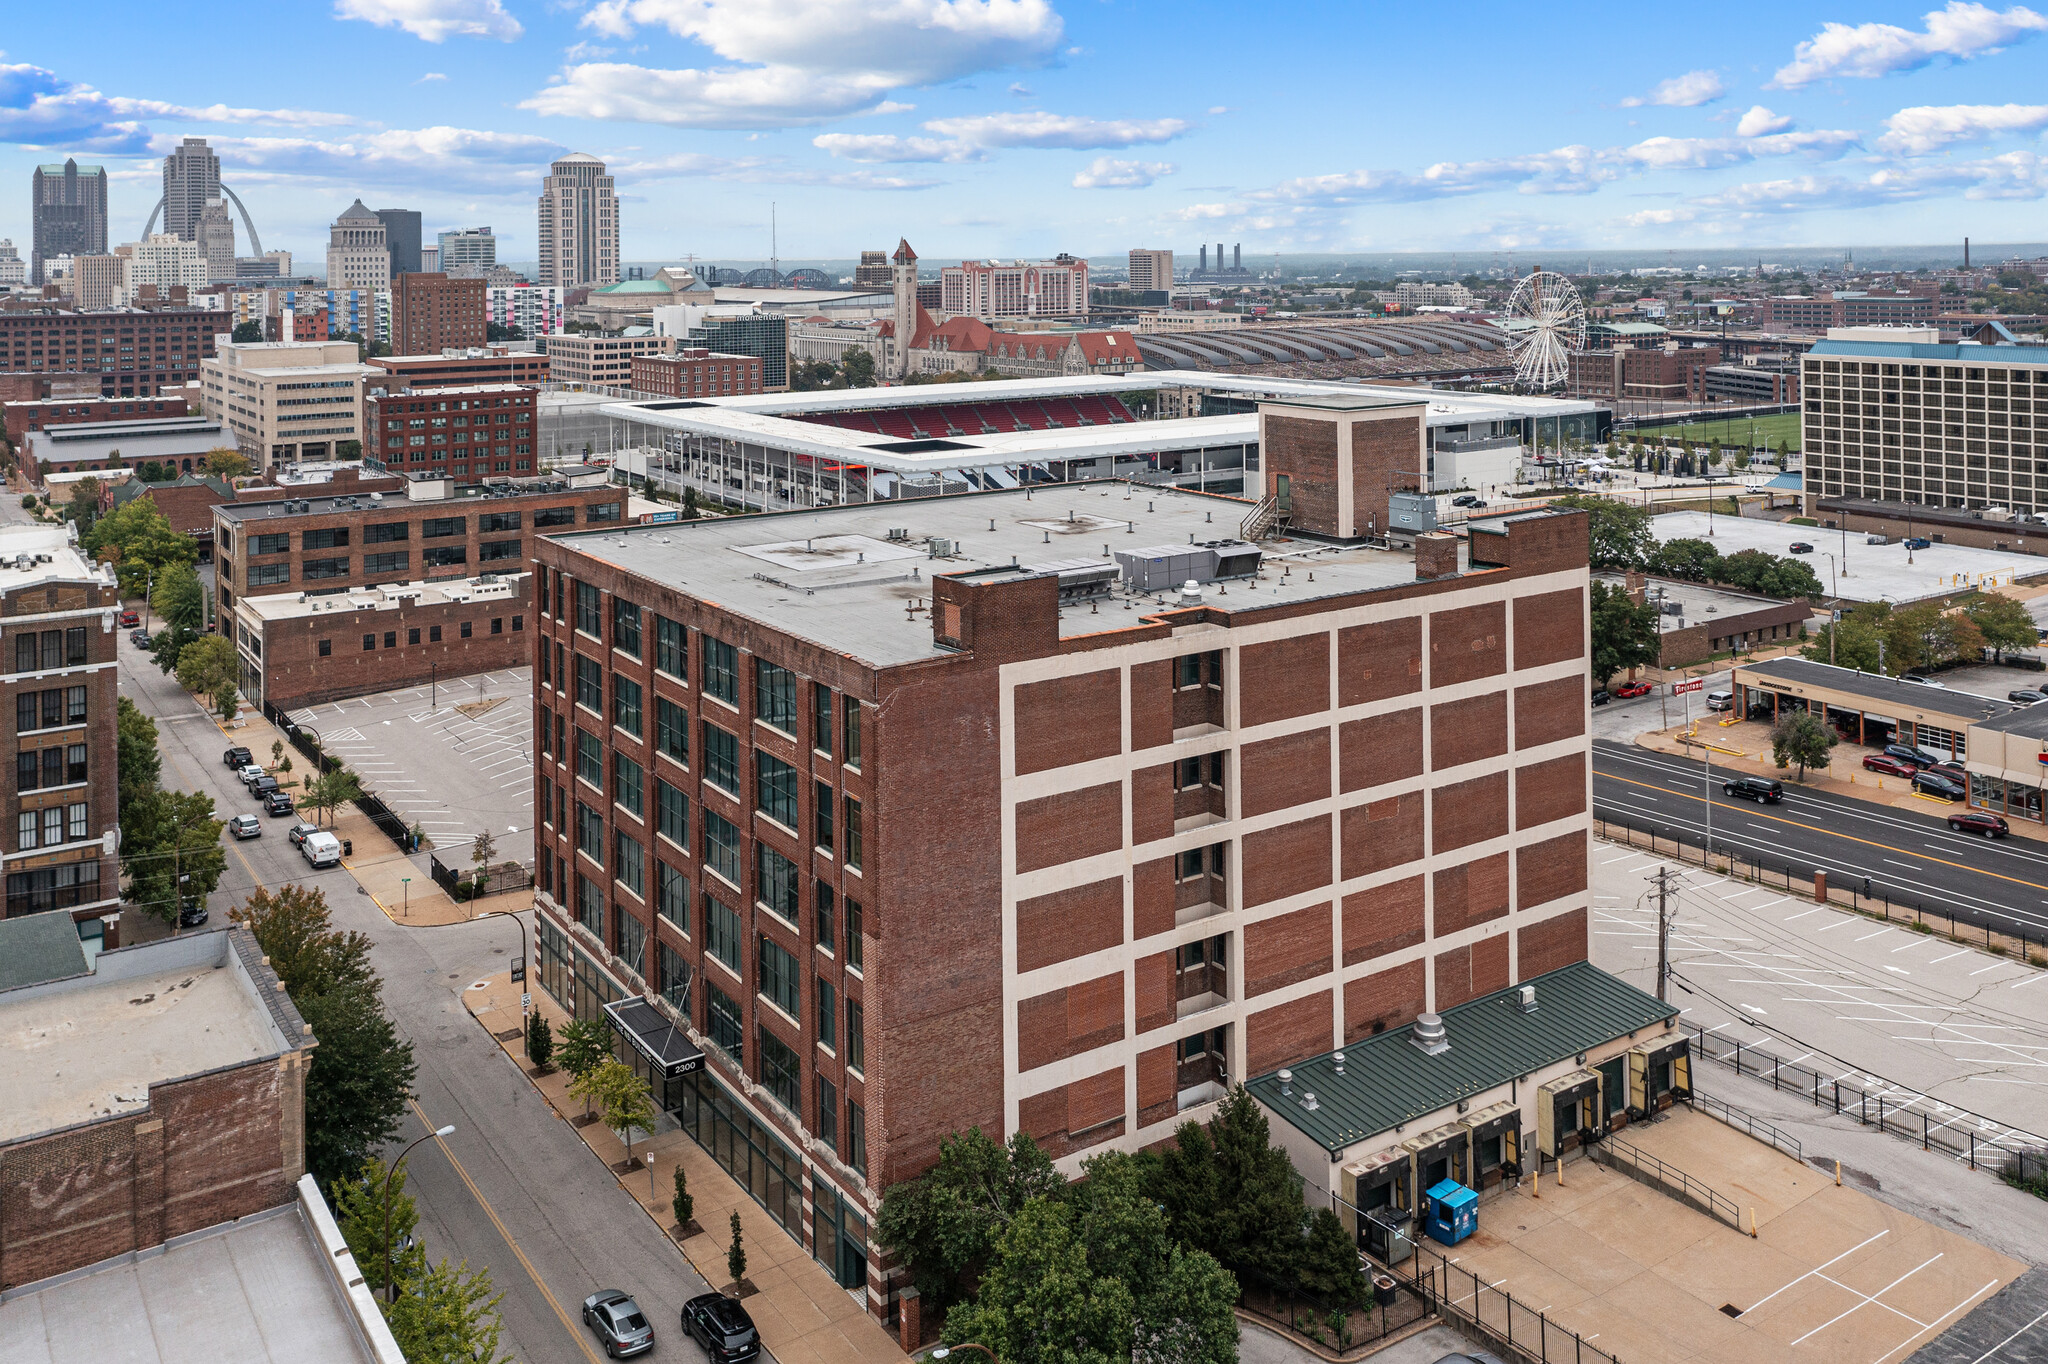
(321, 850)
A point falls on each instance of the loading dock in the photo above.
(1565, 1107)
(1439, 1154)
(1496, 1137)
(1657, 1071)
(1380, 1182)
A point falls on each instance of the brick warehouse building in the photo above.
(161, 1094)
(918, 821)
(470, 431)
(430, 312)
(130, 352)
(58, 816)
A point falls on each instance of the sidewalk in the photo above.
(804, 1316)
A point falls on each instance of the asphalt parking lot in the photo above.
(455, 759)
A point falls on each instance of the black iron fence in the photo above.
(1875, 1101)
(464, 884)
(1645, 1168)
(1506, 1323)
(1683, 845)
(307, 741)
(1389, 1307)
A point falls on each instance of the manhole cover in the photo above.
(509, 1034)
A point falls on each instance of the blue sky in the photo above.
(1012, 127)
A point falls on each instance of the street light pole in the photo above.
(525, 986)
(390, 1287)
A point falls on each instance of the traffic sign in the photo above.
(1691, 684)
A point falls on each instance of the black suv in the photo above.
(722, 1327)
(1760, 789)
(236, 757)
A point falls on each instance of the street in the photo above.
(514, 1189)
(1914, 859)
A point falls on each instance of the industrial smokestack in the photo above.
(1966, 253)
(1219, 258)
(1204, 266)
(1237, 256)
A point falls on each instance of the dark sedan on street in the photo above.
(722, 1327)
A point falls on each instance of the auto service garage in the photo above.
(2009, 764)
(1864, 708)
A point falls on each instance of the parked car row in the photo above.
(714, 1321)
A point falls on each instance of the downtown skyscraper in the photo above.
(579, 224)
(191, 181)
(68, 205)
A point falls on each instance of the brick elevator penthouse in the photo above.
(923, 817)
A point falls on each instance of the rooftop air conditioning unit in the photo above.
(941, 548)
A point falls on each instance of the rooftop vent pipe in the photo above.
(1428, 1034)
(1527, 999)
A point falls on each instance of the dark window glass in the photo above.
(632, 943)
(441, 527)
(606, 511)
(828, 1113)
(775, 695)
(590, 759)
(629, 866)
(491, 522)
(781, 1072)
(269, 575)
(725, 1022)
(490, 551)
(672, 813)
(821, 816)
(380, 532)
(775, 883)
(445, 556)
(672, 729)
(781, 982)
(828, 1011)
(589, 684)
(397, 561)
(856, 1137)
(325, 568)
(673, 896)
(590, 905)
(555, 516)
(821, 717)
(722, 931)
(721, 846)
(856, 1050)
(721, 759)
(590, 832)
(721, 670)
(775, 788)
(588, 619)
(822, 895)
(671, 648)
(626, 704)
(333, 538)
(627, 783)
(854, 950)
(270, 544)
(852, 715)
(853, 839)
(675, 978)
(626, 627)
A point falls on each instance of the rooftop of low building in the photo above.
(422, 490)
(31, 556)
(281, 606)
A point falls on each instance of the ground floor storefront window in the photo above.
(743, 1148)
(839, 1236)
(2020, 800)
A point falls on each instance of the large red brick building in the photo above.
(431, 311)
(926, 815)
(471, 431)
(39, 414)
(695, 372)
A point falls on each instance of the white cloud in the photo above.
(756, 170)
(1660, 217)
(1020, 90)
(1055, 130)
(2014, 175)
(1220, 109)
(1106, 172)
(887, 147)
(432, 76)
(38, 108)
(439, 157)
(1689, 91)
(435, 20)
(791, 62)
(1928, 128)
(1960, 31)
(1760, 121)
(1195, 213)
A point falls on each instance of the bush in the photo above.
(29, 503)
(684, 1206)
(540, 1043)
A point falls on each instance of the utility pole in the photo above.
(1663, 879)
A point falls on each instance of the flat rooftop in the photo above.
(254, 1292)
(86, 1047)
(1698, 601)
(289, 606)
(422, 492)
(834, 576)
(1873, 572)
(65, 561)
(1889, 692)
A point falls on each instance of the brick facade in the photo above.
(42, 413)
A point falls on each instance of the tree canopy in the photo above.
(138, 761)
(138, 540)
(1625, 634)
(2003, 622)
(208, 667)
(178, 598)
(166, 836)
(946, 1222)
(1618, 534)
(1801, 738)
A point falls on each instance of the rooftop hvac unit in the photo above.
(1411, 513)
(941, 548)
(1163, 568)
(1080, 579)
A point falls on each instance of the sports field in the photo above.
(1766, 431)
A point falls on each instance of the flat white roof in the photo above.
(67, 563)
(293, 605)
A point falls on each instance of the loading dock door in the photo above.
(1657, 1068)
(1439, 1154)
(1380, 1181)
(1496, 1139)
(1564, 1106)
(1613, 1088)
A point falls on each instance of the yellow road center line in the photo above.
(1866, 842)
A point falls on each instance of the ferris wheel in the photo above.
(1546, 322)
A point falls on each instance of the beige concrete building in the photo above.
(1158, 324)
(286, 400)
(1151, 269)
(162, 260)
(600, 361)
(96, 282)
(579, 224)
(358, 251)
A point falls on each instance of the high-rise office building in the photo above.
(69, 207)
(873, 270)
(579, 224)
(217, 240)
(98, 282)
(191, 181)
(13, 269)
(162, 260)
(468, 246)
(358, 251)
(402, 239)
(1151, 269)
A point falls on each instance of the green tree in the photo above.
(2004, 623)
(168, 644)
(138, 761)
(137, 539)
(246, 332)
(1800, 737)
(1853, 642)
(628, 1104)
(295, 929)
(359, 1209)
(1124, 1231)
(449, 1313)
(177, 597)
(227, 463)
(208, 667)
(1619, 535)
(1927, 635)
(1039, 1302)
(683, 1205)
(540, 1043)
(482, 849)
(1329, 1261)
(85, 501)
(690, 509)
(1625, 634)
(357, 1086)
(858, 365)
(736, 1254)
(945, 1223)
(330, 791)
(585, 1045)
(170, 848)
(1693, 561)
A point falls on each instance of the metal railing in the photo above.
(1515, 1327)
(1342, 1331)
(1685, 846)
(1745, 1122)
(1645, 1168)
(1877, 1102)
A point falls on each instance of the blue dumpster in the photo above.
(1451, 1212)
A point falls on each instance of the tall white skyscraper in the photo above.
(191, 181)
(216, 236)
(468, 246)
(579, 224)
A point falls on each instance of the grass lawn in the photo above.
(1733, 430)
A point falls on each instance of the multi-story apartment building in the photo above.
(873, 269)
(1754, 383)
(68, 212)
(59, 817)
(467, 246)
(764, 336)
(286, 400)
(534, 309)
(476, 365)
(164, 260)
(995, 289)
(358, 251)
(430, 530)
(1892, 414)
(99, 282)
(464, 431)
(579, 224)
(1151, 270)
(1674, 374)
(13, 269)
(694, 372)
(1801, 312)
(911, 835)
(433, 312)
(132, 351)
(599, 361)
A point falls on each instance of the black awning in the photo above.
(655, 1037)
